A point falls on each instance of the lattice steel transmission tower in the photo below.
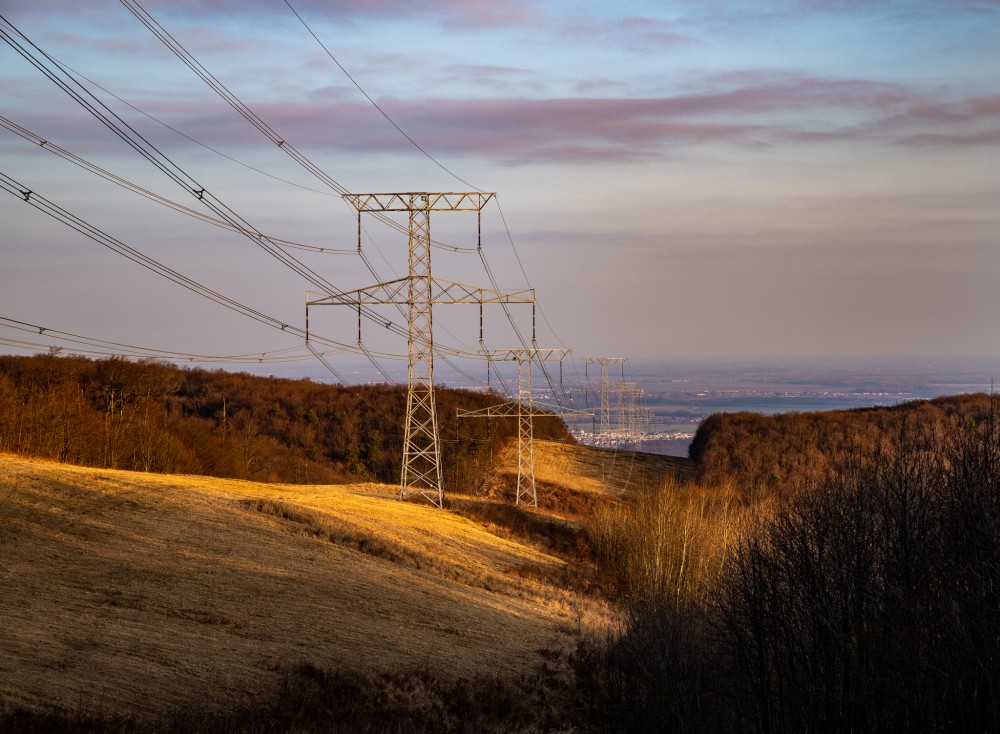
(633, 417)
(525, 410)
(419, 291)
(604, 391)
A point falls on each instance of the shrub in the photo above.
(873, 601)
(665, 546)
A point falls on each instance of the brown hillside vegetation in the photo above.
(796, 450)
(866, 599)
(143, 593)
(117, 414)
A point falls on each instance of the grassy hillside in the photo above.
(129, 592)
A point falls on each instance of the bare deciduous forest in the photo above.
(118, 414)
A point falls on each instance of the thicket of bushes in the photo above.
(869, 602)
(154, 417)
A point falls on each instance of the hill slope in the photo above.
(794, 450)
(601, 470)
(145, 593)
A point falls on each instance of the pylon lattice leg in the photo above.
(421, 450)
(605, 401)
(527, 493)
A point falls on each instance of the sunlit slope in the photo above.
(597, 470)
(139, 592)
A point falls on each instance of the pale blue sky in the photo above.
(688, 179)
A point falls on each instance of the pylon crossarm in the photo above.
(448, 291)
(504, 410)
(533, 354)
(447, 201)
(396, 292)
(390, 292)
(551, 409)
(512, 410)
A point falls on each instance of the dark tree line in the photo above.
(156, 417)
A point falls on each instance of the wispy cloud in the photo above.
(749, 110)
(635, 32)
(460, 13)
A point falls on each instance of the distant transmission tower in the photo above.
(419, 292)
(525, 410)
(634, 418)
(604, 390)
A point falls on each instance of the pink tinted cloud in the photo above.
(497, 79)
(632, 32)
(596, 129)
(937, 121)
(953, 140)
(463, 13)
(456, 13)
(966, 110)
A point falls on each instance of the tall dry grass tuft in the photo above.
(667, 546)
(662, 555)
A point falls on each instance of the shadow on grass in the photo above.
(313, 700)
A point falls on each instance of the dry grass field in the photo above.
(137, 593)
(596, 471)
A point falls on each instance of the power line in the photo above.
(184, 135)
(402, 132)
(241, 108)
(135, 188)
(376, 105)
(39, 202)
(148, 151)
(51, 209)
(178, 49)
(201, 193)
(103, 346)
(478, 250)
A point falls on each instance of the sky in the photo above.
(783, 179)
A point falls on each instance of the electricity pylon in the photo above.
(605, 387)
(419, 292)
(630, 411)
(633, 417)
(525, 411)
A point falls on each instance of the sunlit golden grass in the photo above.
(135, 592)
(669, 545)
(587, 470)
